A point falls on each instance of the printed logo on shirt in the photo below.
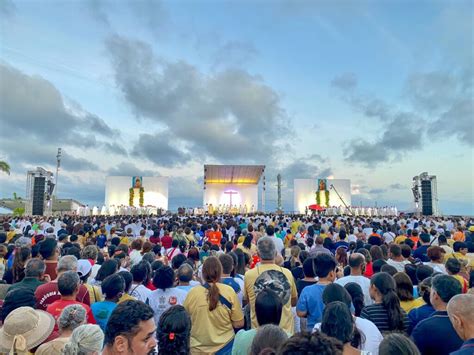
(276, 281)
(172, 300)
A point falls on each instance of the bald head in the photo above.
(461, 313)
(356, 260)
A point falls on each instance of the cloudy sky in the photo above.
(373, 91)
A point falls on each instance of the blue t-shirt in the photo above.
(101, 241)
(311, 302)
(102, 311)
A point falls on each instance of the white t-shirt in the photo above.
(140, 292)
(370, 332)
(399, 265)
(160, 300)
(362, 281)
(388, 237)
(279, 246)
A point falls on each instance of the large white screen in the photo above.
(305, 193)
(117, 191)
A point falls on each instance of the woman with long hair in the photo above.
(357, 296)
(216, 309)
(19, 262)
(174, 330)
(386, 313)
(405, 292)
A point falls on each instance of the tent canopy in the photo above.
(233, 174)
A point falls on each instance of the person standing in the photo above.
(357, 265)
(461, 314)
(113, 288)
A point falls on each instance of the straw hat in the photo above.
(25, 328)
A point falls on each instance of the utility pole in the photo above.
(340, 197)
(58, 165)
(279, 206)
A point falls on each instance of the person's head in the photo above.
(227, 263)
(325, 266)
(72, 317)
(266, 248)
(113, 287)
(48, 249)
(85, 339)
(163, 278)
(404, 286)
(185, 273)
(389, 269)
(270, 230)
(460, 247)
(90, 252)
(23, 329)
(311, 343)
(395, 251)
(337, 321)
(377, 265)
(406, 251)
(35, 268)
(461, 313)
(268, 307)
(67, 263)
(357, 297)
(383, 290)
(341, 256)
(357, 263)
(423, 271)
(397, 344)
(436, 254)
(335, 292)
(267, 339)
(425, 238)
(308, 268)
(68, 284)
(443, 288)
(177, 261)
(16, 298)
(424, 290)
(109, 267)
(453, 266)
(131, 329)
(174, 330)
(127, 279)
(141, 272)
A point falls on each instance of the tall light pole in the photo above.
(58, 165)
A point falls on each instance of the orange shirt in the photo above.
(459, 236)
(214, 237)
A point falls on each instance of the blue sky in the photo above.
(373, 91)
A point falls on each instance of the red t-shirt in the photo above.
(48, 293)
(51, 268)
(215, 237)
(369, 271)
(166, 241)
(57, 307)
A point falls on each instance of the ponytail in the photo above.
(213, 296)
(391, 303)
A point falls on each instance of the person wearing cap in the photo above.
(84, 270)
(49, 292)
(71, 317)
(24, 329)
(34, 276)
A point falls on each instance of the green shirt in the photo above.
(31, 283)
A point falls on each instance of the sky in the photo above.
(372, 91)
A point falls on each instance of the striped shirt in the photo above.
(378, 315)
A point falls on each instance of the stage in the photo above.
(319, 191)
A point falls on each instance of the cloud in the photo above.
(130, 169)
(159, 148)
(7, 8)
(220, 116)
(345, 81)
(32, 107)
(398, 186)
(97, 11)
(234, 54)
(72, 163)
(377, 191)
(115, 148)
(152, 14)
(314, 166)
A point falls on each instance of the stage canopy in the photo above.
(233, 174)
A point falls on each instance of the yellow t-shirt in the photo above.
(294, 227)
(254, 278)
(211, 331)
(409, 305)
(126, 297)
(400, 239)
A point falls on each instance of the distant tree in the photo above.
(19, 211)
(5, 167)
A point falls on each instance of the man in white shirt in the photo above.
(396, 258)
(279, 246)
(141, 273)
(357, 265)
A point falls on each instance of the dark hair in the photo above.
(268, 307)
(185, 273)
(385, 284)
(377, 265)
(404, 286)
(395, 250)
(389, 269)
(423, 271)
(177, 261)
(109, 267)
(227, 263)
(337, 321)
(174, 330)
(357, 296)
(16, 298)
(335, 292)
(324, 264)
(424, 289)
(311, 343)
(453, 265)
(75, 251)
(376, 253)
(459, 245)
(68, 283)
(112, 286)
(211, 273)
(308, 268)
(435, 253)
(125, 320)
(19, 260)
(127, 278)
(397, 344)
(446, 287)
(163, 278)
(141, 272)
(47, 248)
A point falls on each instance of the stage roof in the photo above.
(233, 174)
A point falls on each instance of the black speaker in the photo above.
(38, 196)
(426, 198)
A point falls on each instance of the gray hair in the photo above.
(67, 263)
(185, 272)
(90, 252)
(268, 336)
(266, 248)
(85, 339)
(72, 317)
(68, 283)
(35, 268)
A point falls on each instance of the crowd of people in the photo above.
(236, 284)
